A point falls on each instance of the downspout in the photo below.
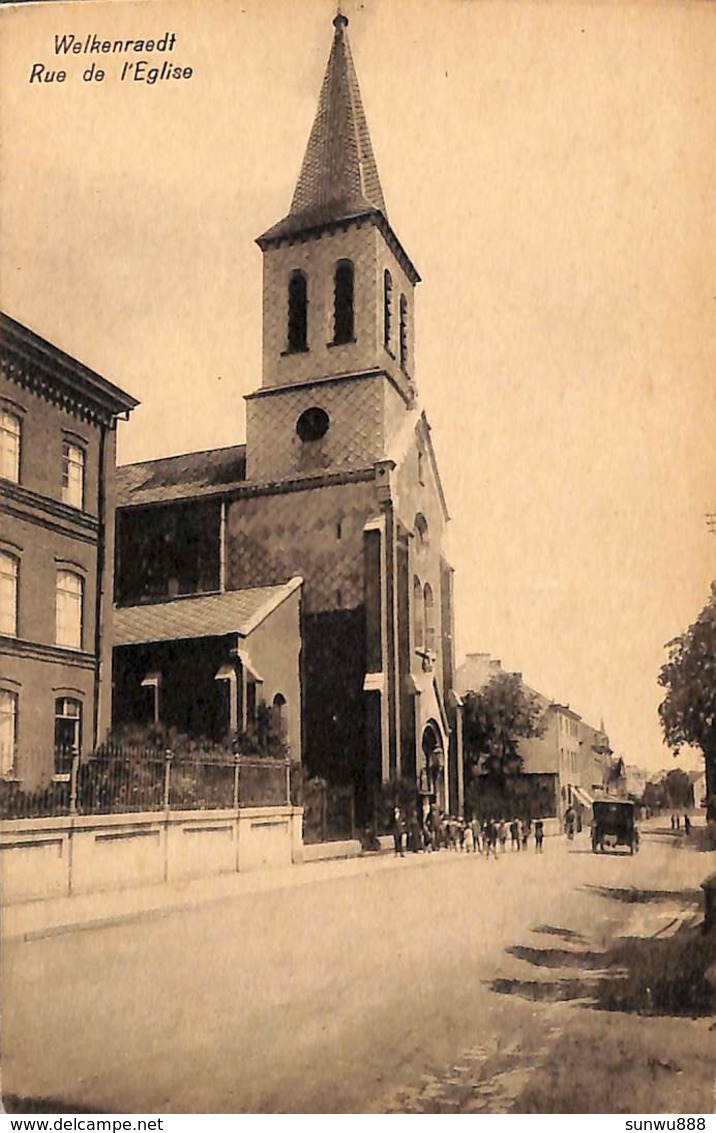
(99, 585)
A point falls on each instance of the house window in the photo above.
(418, 622)
(343, 319)
(429, 617)
(70, 588)
(297, 313)
(73, 475)
(8, 731)
(403, 332)
(9, 570)
(10, 429)
(387, 307)
(68, 733)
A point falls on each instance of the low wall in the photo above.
(60, 857)
(330, 851)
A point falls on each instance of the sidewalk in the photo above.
(35, 919)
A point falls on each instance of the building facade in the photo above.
(338, 482)
(566, 764)
(57, 465)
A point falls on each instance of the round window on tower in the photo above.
(313, 424)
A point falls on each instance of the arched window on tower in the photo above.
(429, 617)
(387, 307)
(418, 614)
(343, 314)
(297, 313)
(403, 332)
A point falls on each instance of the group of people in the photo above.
(439, 831)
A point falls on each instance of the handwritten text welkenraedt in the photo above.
(152, 69)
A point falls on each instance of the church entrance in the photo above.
(432, 779)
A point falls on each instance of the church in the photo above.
(328, 523)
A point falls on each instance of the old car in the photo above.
(614, 824)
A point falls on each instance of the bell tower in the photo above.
(338, 303)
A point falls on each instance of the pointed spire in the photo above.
(339, 177)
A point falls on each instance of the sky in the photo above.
(549, 167)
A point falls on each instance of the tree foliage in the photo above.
(688, 710)
(495, 719)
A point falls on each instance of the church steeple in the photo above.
(338, 290)
(339, 176)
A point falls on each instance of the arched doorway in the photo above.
(432, 778)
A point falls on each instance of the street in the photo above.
(438, 983)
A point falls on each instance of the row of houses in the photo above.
(568, 763)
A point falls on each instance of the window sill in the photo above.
(343, 342)
(290, 353)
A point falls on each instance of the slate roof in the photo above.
(186, 476)
(205, 615)
(339, 176)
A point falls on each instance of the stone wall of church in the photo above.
(316, 533)
(316, 257)
(355, 436)
(363, 244)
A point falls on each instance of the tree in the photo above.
(495, 719)
(677, 786)
(688, 711)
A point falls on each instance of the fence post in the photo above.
(288, 782)
(324, 811)
(237, 765)
(168, 756)
(74, 769)
(353, 810)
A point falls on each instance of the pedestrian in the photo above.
(687, 825)
(491, 838)
(397, 828)
(476, 835)
(468, 840)
(515, 834)
(539, 835)
(502, 834)
(415, 835)
(525, 832)
(569, 819)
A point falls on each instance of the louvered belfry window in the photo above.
(343, 314)
(297, 313)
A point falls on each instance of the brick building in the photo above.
(337, 484)
(57, 463)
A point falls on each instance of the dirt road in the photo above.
(442, 984)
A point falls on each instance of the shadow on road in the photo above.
(632, 896)
(559, 957)
(639, 975)
(563, 933)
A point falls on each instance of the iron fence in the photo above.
(123, 780)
